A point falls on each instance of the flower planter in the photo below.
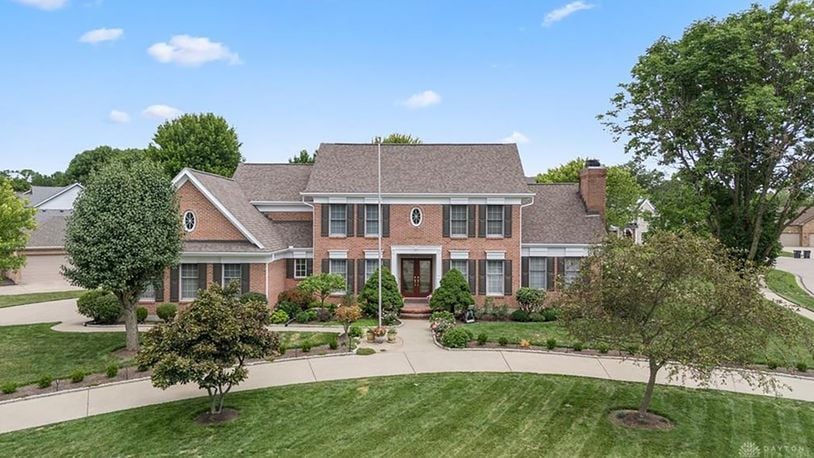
(391, 338)
(380, 339)
(370, 337)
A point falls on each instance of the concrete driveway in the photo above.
(803, 268)
(40, 287)
(42, 312)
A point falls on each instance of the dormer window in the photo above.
(189, 221)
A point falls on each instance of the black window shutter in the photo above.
(549, 270)
(174, 277)
(349, 220)
(472, 269)
(560, 270)
(309, 267)
(524, 271)
(289, 268)
(217, 274)
(326, 266)
(507, 221)
(350, 278)
(360, 275)
(245, 272)
(481, 220)
(445, 224)
(201, 276)
(444, 266)
(360, 220)
(507, 278)
(324, 219)
(482, 276)
(471, 220)
(159, 288)
(386, 220)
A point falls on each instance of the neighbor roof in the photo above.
(50, 230)
(39, 194)
(807, 216)
(418, 169)
(558, 215)
(272, 182)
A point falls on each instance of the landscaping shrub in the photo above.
(550, 314)
(282, 349)
(279, 317)
(453, 294)
(520, 315)
(292, 299)
(365, 351)
(166, 312)
(77, 376)
(322, 314)
(100, 306)
(536, 317)
(524, 343)
(577, 346)
(530, 300)
(456, 337)
(290, 308)
(551, 344)
(603, 348)
(501, 312)
(355, 331)
(392, 302)
(8, 388)
(802, 367)
(771, 365)
(141, 314)
(633, 349)
(503, 341)
(306, 346)
(333, 342)
(441, 321)
(305, 316)
(112, 370)
(252, 296)
(482, 339)
(45, 381)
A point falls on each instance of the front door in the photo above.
(416, 277)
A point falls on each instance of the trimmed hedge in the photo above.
(100, 306)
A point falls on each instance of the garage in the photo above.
(789, 240)
(43, 270)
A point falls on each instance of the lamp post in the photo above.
(379, 200)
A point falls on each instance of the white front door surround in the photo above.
(432, 250)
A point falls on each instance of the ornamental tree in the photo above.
(398, 138)
(209, 344)
(84, 164)
(124, 232)
(730, 105)
(687, 304)
(200, 141)
(16, 222)
(347, 314)
(392, 302)
(453, 294)
(322, 285)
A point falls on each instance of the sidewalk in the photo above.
(415, 353)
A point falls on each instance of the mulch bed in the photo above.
(631, 419)
(125, 373)
(224, 416)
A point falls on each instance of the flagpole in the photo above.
(379, 199)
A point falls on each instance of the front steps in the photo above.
(415, 308)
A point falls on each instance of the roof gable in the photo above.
(272, 182)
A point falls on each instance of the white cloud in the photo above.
(191, 51)
(162, 112)
(422, 99)
(564, 11)
(119, 117)
(47, 5)
(100, 35)
(515, 137)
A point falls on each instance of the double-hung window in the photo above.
(300, 268)
(371, 220)
(462, 265)
(494, 220)
(338, 215)
(571, 266)
(232, 272)
(189, 281)
(494, 278)
(370, 267)
(339, 267)
(148, 294)
(538, 273)
(458, 221)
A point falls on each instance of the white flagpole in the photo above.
(379, 199)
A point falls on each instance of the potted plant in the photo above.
(391, 335)
(379, 333)
(371, 335)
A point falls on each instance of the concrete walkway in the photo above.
(414, 353)
(802, 311)
(802, 268)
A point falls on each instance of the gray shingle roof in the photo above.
(420, 169)
(50, 231)
(558, 215)
(272, 182)
(37, 194)
(193, 246)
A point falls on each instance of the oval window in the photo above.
(416, 216)
(189, 221)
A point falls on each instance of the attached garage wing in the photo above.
(789, 240)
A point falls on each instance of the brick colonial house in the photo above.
(464, 206)
(800, 232)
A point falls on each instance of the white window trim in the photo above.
(495, 255)
(458, 254)
(378, 223)
(502, 276)
(194, 221)
(465, 234)
(223, 275)
(299, 277)
(181, 296)
(344, 276)
(367, 260)
(337, 254)
(545, 272)
(331, 233)
(502, 221)
(466, 263)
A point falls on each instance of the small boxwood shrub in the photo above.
(355, 331)
(141, 314)
(306, 346)
(577, 346)
(333, 342)
(322, 314)
(503, 341)
(112, 370)
(305, 316)
(633, 349)
(603, 348)
(282, 349)
(45, 381)
(802, 367)
(456, 337)
(279, 317)
(8, 388)
(551, 344)
(166, 311)
(77, 376)
(482, 339)
(365, 351)
(521, 316)
(252, 296)
(771, 365)
(100, 306)
(536, 317)
(550, 314)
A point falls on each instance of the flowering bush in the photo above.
(441, 321)
(379, 331)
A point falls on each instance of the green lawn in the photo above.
(22, 299)
(785, 254)
(28, 352)
(294, 339)
(784, 284)
(363, 323)
(437, 415)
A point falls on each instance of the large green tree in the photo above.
(396, 137)
(89, 161)
(683, 301)
(22, 180)
(200, 141)
(304, 157)
(16, 222)
(731, 105)
(124, 232)
(622, 190)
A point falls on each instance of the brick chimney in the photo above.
(592, 187)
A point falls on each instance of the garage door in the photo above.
(790, 240)
(43, 270)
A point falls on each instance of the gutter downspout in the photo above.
(522, 206)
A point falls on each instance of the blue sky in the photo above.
(291, 74)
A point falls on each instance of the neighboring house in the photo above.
(45, 251)
(641, 225)
(800, 232)
(444, 206)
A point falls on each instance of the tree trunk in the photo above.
(130, 323)
(648, 392)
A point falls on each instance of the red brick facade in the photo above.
(210, 222)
